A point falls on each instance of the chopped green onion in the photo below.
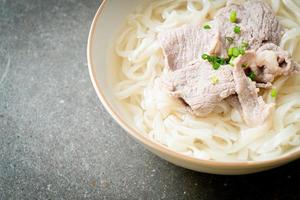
(229, 39)
(274, 93)
(205, 56)
(215, 61)
(235, 52)
(252, 76)
(231, 60)
(230, 52)
(216, 65)
(206, 26)
(242, 51)
(237, 29)
(232, 16)
(222, 61)
(214, 80)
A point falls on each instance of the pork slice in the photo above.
(268, 63)
(272, 62)
(200, 86)
(255, 110)
(257, 21)
(185, 44)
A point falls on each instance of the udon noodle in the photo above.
(222, 135)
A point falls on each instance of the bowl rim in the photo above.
(154, 145)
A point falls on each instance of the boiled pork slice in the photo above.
(188, 77)
(200, 86)
(272, 62)
(268, 63)
(184, 45)
(257, 22)
(255, 111)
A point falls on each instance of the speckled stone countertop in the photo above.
(58, 142)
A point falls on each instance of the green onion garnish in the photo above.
(221, 61)
(232, 16)
(230, 52)
(205, 56)
(214, 80)
(215, 61)
(274, 93)
(237, 29)
(231, 60)
(216, 65)
(235, 52)
(242, 50)
(252, 76)
(206, 26)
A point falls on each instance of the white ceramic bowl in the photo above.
(107, 22)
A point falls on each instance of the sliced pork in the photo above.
(257, 23)
(186, 44)
(200, 86)
(254, 109)
(271, 62)
(268, 63)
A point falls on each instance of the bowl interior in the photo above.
(103, 65)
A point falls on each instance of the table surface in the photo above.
(58, 142)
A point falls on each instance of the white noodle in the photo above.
(221, 135)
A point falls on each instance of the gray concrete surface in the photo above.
(58, 142)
